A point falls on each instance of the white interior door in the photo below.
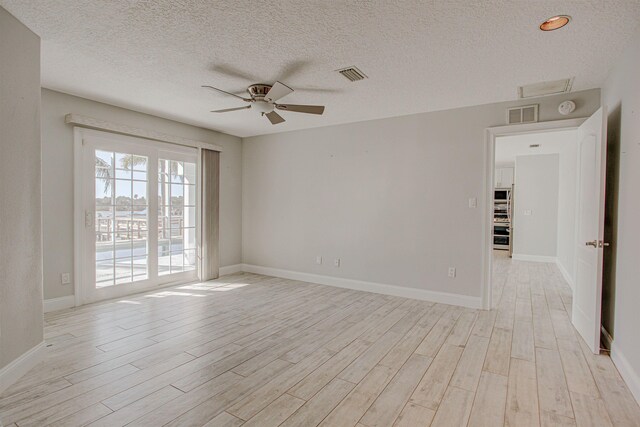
(587, 296)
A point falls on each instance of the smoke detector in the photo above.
(566, 108)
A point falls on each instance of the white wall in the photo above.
(57, 174)
(621, 95)
(20, 213)
(536, 192)
(567, 200)
(388, 197)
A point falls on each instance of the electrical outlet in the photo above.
(473, 202)
(336, 262)
(65, 278)
(319, 260)
(527, 212)
(452, 272)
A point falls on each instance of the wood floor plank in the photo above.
(273, 351)
(522, 343)
(213, 406)
(139, 407)
(260, 397)
(489, 406)
(84, 416)
(351, 409)
(590, 411)
(414, 416)
(434, 383)
(552, 387)
(499, 352)
(224, 420)
(436, 337)
(469, 368)
(454, 409)
(316, 380)
(522, 395)
(389, 404)
(318, 407)
(276, 413)
(576, 369)
(173, 409)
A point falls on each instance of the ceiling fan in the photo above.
(263, 98)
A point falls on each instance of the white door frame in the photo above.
(80, 248)
(489, 150)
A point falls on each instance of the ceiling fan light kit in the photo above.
(263, 99)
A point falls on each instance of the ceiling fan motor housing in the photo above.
(259, 90)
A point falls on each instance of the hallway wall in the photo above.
(621, 96)
(20, 191)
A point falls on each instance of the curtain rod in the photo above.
(90, 122)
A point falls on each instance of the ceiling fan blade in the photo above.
(318, 90)
(293, 68)
(231, 71)
(277, 91)
(274, 118)
(231, 109)
(228, 93)
(309, 109)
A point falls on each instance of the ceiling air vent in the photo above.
(352, 73)
(545, 88)
(524, 114)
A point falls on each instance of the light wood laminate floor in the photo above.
(260, 351)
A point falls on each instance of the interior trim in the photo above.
(20, 366)
(61, 303)
(92, 123)
(360, 285)
(630, 377)
(490, 135)
(535, 258)
(565, 274)
(230, 269)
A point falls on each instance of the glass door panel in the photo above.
(121, 218)
(140, 215)
(176, 214)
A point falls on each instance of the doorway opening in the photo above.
(545, 204)
(139, 199)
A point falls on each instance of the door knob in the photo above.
(593, 243)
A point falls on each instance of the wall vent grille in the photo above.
(545, 88)
(352, 73)
(524, 114)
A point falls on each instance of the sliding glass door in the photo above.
(141, 222)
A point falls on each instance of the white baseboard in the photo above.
(565, 274)
(360, 285)
(629, 375)
(534, 258)
(16, 369)
(229, 269)
(55, 304)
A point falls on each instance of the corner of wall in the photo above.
(565, 274)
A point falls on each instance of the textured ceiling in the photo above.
(153, 55)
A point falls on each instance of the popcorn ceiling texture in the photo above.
(420, 56)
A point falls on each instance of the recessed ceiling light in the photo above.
(555, 22)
